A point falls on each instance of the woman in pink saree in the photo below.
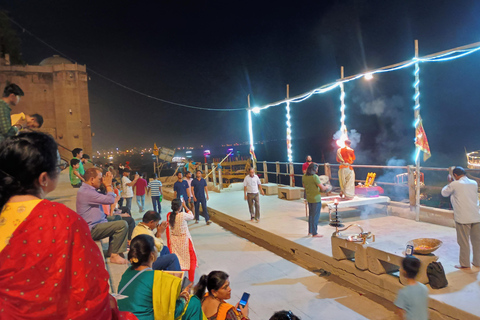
(50, 268)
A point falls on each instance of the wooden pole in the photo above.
(265, 170)
(417, 119)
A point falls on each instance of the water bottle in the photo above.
(181, 198)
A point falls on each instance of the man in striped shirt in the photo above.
(155, 187)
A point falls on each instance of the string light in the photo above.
(115, 82)
(416, 99)
(417, 154)
(289, 135)
(343, 127)
(250, 130)
(458, 53)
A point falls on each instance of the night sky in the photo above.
(214, 53)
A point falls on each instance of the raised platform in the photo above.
(283, 230)
(355, 202)
(270, 188)
(290, 193)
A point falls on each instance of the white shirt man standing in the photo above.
(251, 185)
(127, 185)
(463, 194)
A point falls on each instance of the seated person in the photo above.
(284, 315)
(45, 248)
(412, 300)
(28, 122)
(113, 213)
(76, 178)
(89, 207)
(143, 286)
(151, 225)
(213, 303)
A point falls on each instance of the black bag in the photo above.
(436, 275)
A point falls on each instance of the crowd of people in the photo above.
(52, 267)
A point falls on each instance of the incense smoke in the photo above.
(353, 136)
(392, 132)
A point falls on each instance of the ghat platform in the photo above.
(283, 230)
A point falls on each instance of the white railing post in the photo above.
(214, 178)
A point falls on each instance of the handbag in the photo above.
(436, 275)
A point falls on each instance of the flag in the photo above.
(421, 140)
(252, 153)
(155, 149)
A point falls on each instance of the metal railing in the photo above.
(434, 179)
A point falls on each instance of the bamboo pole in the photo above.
(220, 163)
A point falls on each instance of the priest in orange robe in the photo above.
(346, 175)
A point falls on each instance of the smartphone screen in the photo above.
(244, 300)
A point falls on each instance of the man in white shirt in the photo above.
(127, 185)
(251, 185)
(463, 194)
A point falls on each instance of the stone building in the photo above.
(58, 90)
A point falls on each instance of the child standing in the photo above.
(76, 178)
(412, 301)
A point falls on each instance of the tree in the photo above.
(9, 40)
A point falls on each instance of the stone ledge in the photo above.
(381, 286)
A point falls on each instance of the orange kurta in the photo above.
(345, 156)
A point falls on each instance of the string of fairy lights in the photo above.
(440, 57)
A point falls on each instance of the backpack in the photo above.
(436, 275)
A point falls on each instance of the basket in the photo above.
(425, 245)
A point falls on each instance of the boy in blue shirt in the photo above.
(412, 301)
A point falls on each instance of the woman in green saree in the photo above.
(153, 295)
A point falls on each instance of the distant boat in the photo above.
(473, 159)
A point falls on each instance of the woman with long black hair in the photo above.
(179, 238)
(50, 266)
(152, 294)
(213, 302)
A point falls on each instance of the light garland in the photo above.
(440, 57)
(289, 135)
(343, 127)
(250, 131)
(416, 107)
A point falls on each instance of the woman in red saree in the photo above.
(50, 268)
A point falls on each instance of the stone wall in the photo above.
(60, 94)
